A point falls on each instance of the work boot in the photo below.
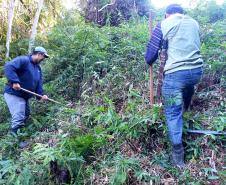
(15, 130)
(178, 156)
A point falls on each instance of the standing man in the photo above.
(182, 70)
(25, 72)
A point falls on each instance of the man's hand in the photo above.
(163, 56)
(44, 98)
(16, 86)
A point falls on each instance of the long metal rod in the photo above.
(206, 132)
(40, 96)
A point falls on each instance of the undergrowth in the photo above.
(107, 133)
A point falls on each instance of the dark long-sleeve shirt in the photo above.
(154, 45)
(22, 70)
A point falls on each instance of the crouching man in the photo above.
(25, 72)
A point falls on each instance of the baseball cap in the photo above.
(41, 50)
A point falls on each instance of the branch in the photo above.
(26, 7)
(54, 9)
(105, 6)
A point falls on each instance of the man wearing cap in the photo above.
(25, 72)
(182, 70)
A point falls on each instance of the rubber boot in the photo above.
(22, 144)
(178, 156)
(15, 130)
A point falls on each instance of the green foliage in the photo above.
(84, 145)
(3, 108)
(19, 47)
(22, 22)
(212, 21)
(219, 122)
(127, 169)
(216, 13)
(115, 12)
(209, 12)
(122, 166)
(85, 53)
(118, 139)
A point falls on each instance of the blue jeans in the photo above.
(177, 91)
(19, 110)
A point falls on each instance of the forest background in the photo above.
(108, 133)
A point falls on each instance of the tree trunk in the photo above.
(35, 24)
(10, 22)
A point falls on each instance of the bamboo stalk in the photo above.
(151, 68)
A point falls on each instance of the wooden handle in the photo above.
(38, 95)
(30, 92)
(151, 69)
(151, 86)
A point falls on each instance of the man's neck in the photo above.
(33, 59)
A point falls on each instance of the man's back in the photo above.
(182, 33)
(23, 71)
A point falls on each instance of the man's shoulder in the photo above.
(173, 19)
(176, 19)
(22, 58)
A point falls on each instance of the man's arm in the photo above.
(12, 67)
(154, 45)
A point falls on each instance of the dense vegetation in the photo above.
(106, 132)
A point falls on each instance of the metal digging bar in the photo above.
(206, 132)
